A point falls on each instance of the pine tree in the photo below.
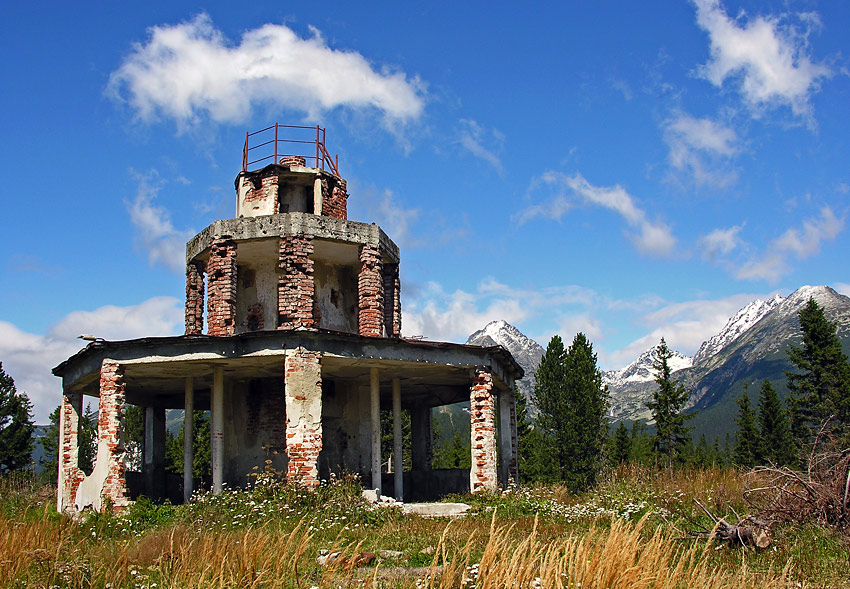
(621, 448)
(50, 448)
(776, 440)
(16, 426)
(87, 440)
(821, 390)
(201, 468)
(671, 434)
(746, 452)
(641, 444)
(535, 459)
(572, 402)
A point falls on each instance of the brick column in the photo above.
(392, 300)
(370, 292)
(194, 299)
(334, 199)
(70, 474)
(221, 287)
(303, 394)
(295, 286)
(482, 414)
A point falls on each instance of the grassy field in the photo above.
(630, 532)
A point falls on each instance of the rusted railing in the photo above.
(268, 141)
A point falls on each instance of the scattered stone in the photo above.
(390, 554)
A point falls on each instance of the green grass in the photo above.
(272, 534)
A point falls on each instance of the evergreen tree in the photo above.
(746, 452)
(134, 436)
(201, 468)
(621, 448)
(454, 453)
(821, 390)
(776, 440)
(50, 447)
(641, 444)
(671, 434)
(87, 440)
(388, 441)
(572, 409)
(535, 457)
(16, 426)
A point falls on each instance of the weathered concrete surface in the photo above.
(272, 226)
(435, 509)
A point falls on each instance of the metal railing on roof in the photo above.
(268, 141)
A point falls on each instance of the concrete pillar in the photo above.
(303, 396)
(505, 444)
(217, 429)
(106, 485)
(70, 474)
(370, 292)
(482, 414)
(154, 453)
(398, 466)
(317, 196)
(420, 433)
(375, 421)
(188, 439)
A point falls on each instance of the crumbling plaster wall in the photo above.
(256, 296)
(341, 420)
(336, 296)
(303, 389)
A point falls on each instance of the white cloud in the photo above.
(702, 148)
(799, 243)
(653, 238)
(768, 57)
(29, 357)
(475, 139)
(684, 325)
(395, 219)
(190, 71)
(720, 242)
(443, 316)
(154, 232)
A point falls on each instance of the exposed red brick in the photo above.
(293, 160)
(513, 469)
(69, 470)
(263, 188)
(295, 287)
(303, 390)
(194, 299)
(370, 292)
(482, 415)
(221, 286)
(110, 424)
(334, 198)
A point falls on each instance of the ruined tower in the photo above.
(293, 343)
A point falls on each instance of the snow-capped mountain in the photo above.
(525, 351)
(750, 347)
(737, 325)
(641, 370)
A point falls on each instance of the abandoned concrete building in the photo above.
(293, 344)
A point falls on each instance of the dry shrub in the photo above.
(615, 555)
(821, 493)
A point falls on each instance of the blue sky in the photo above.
(626, 172)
